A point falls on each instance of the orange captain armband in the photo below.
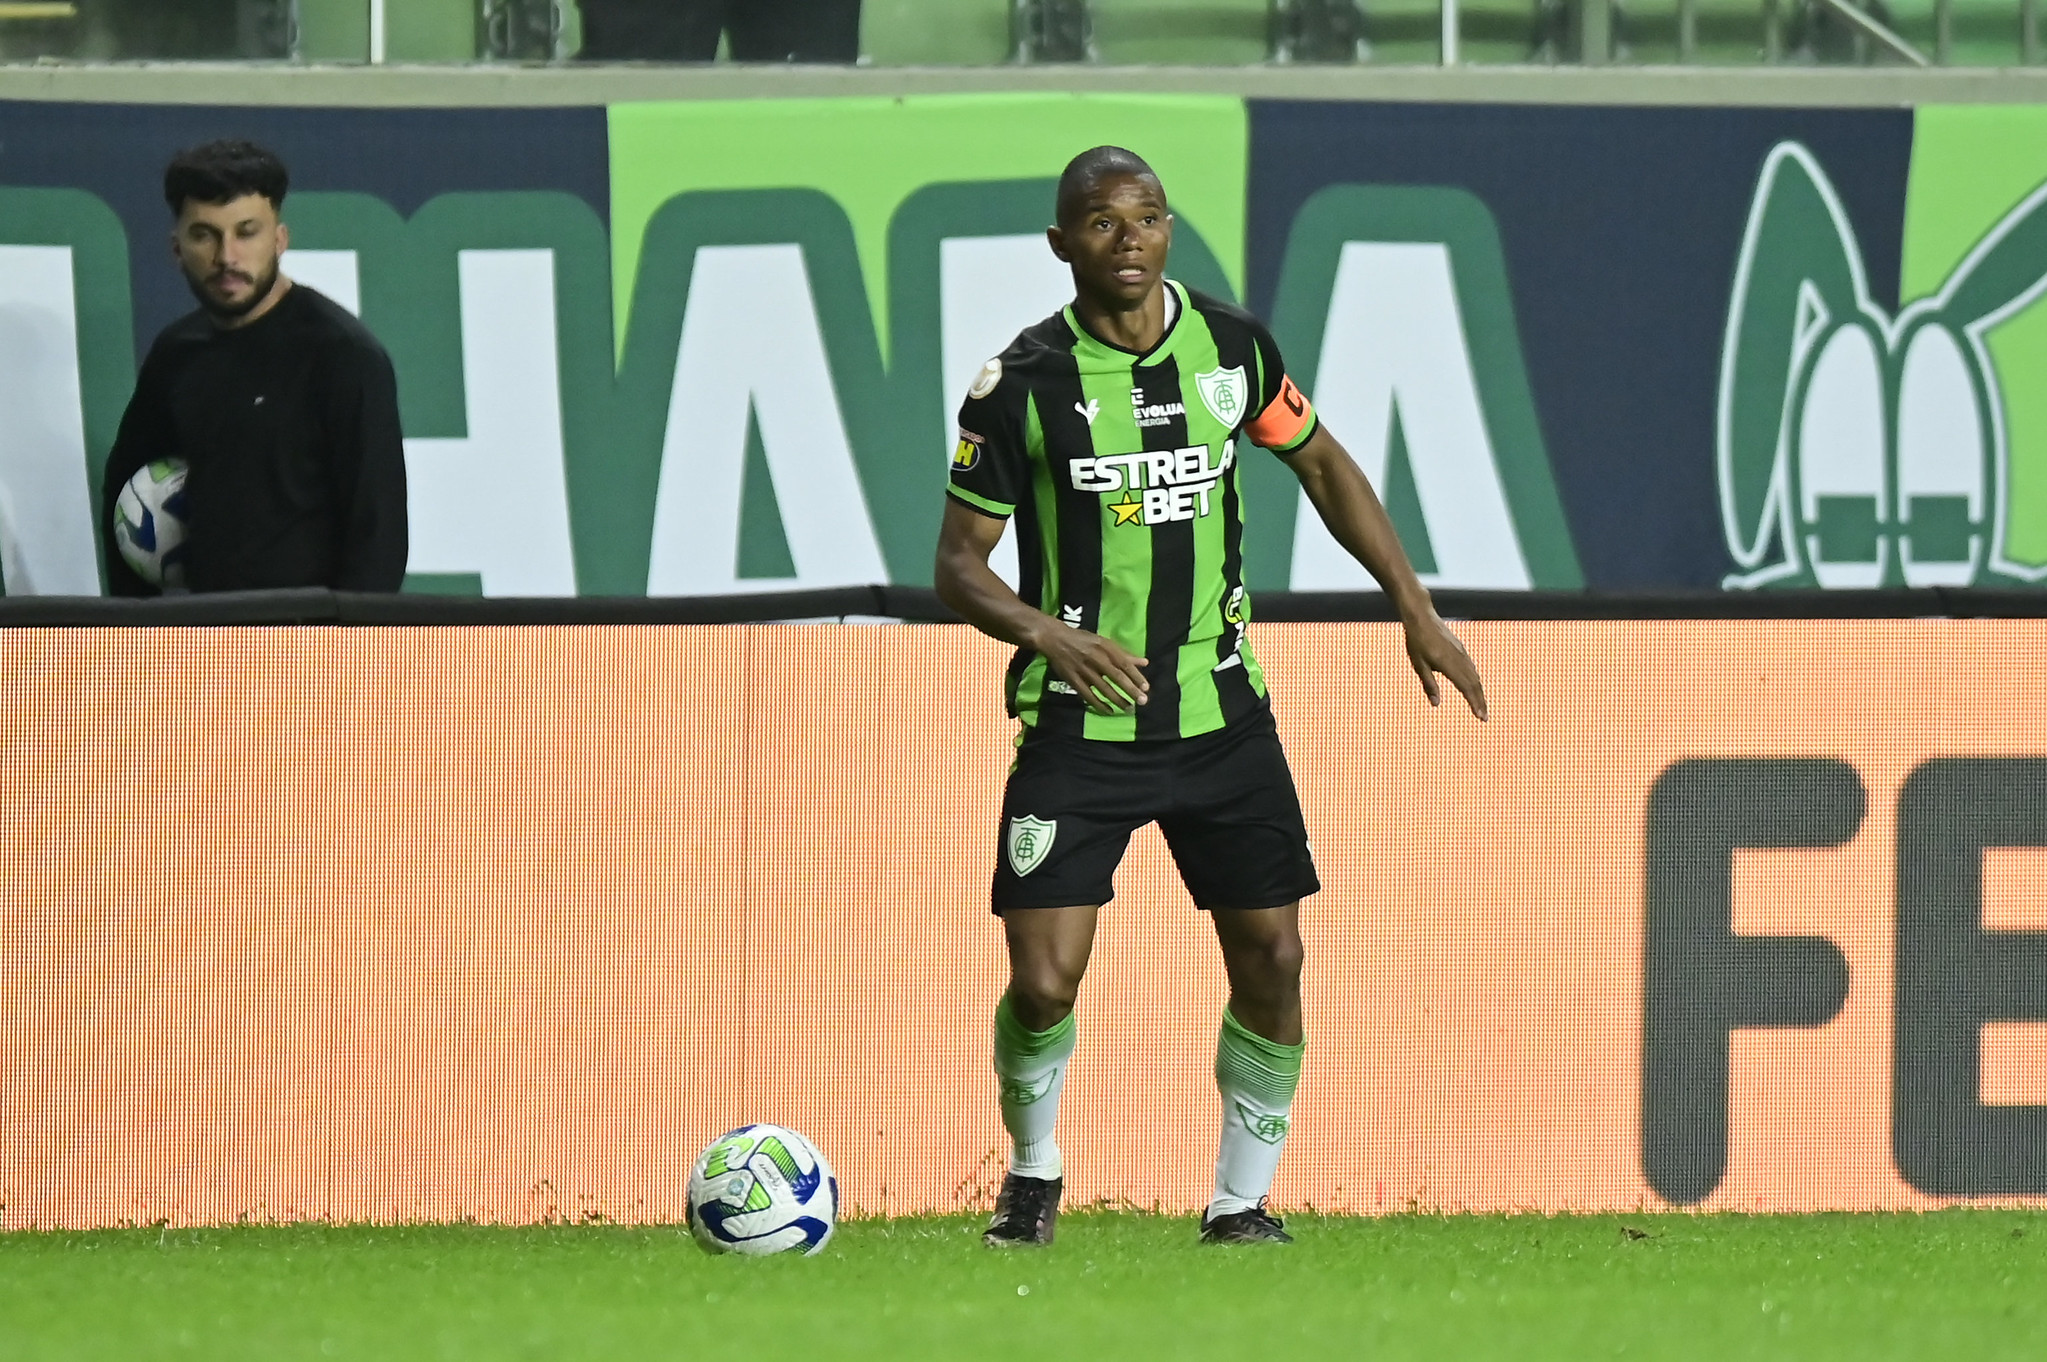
(1285, 422)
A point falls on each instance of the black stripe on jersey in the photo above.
(1077, 537)
(1030, 550)
(1171, 601)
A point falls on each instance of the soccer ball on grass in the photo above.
(762, 1189)
(149, 523)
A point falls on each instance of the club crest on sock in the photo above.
(1024, 1092)
(1264, 1125)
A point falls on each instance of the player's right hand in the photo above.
(1108, 676)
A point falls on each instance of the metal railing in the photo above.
(1591, 32)
(1284, 32)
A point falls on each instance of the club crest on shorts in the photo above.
(1222, 392)
(1029, 842)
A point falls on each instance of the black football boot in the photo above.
(1025, 1212)
(1254, 1226)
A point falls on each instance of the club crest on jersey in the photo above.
(1223, 392)
(1030, 842)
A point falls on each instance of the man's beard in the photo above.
(230, 312)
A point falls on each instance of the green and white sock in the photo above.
(1256, 1078)
(1032, 1068)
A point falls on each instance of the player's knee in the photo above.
(1042, 997)
(1275, 962)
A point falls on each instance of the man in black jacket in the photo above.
(283, 408)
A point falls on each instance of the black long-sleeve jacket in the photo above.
(289, 427)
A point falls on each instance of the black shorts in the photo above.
(1225, 801)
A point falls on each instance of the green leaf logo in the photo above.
(1856, 449)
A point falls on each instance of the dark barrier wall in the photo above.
(713, 347)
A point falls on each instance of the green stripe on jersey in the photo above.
(1126, 547)
(1045, 497)
(975, 499)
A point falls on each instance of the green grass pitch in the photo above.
(1957, 1284)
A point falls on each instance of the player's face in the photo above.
(1116, 240)
(229, 253)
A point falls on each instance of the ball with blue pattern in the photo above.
(149, 523)
(763, 1189)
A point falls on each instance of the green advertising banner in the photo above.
(717, 347)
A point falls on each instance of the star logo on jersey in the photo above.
(1030, 841)
(1128, 510)
(1223, 392)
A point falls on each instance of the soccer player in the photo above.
(1111, 432)
(282, 406)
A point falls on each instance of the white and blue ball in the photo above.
(762, 1189)
(149, 523)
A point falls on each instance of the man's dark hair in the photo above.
(221, 172)
(1086, 170)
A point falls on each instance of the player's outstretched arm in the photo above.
(1344, 498)
(1107, 676)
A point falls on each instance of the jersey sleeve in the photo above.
(1285, 420)
(990, 467)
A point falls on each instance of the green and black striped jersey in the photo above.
(1121, 471)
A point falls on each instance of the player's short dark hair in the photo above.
(1086, 170)
(221, 172)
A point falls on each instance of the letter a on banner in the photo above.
(990, 288)
(46, 541)
(751, 339)
(1395, 343)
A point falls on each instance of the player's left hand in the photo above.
(1433, 649)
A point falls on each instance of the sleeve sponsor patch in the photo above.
(1285, 419)
(967, 452)
(985, 381)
